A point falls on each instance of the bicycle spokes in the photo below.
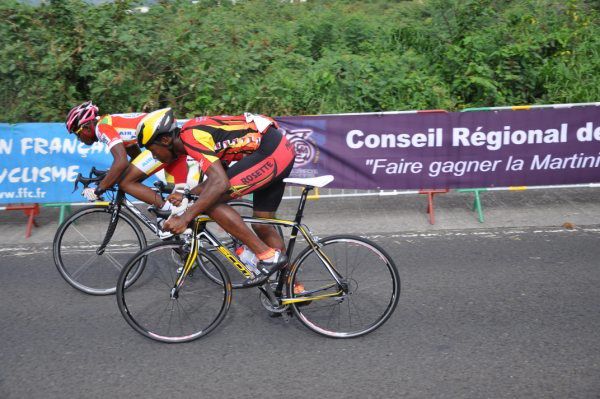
(362, 300)
(155, 308)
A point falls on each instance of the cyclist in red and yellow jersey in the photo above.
(263, 156)
(118, 132)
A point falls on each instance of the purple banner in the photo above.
(496, 148)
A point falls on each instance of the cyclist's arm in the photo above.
(210, 192)
(117, 168)
(199, 145)
(109, 136)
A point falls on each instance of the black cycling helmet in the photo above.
(154, 124)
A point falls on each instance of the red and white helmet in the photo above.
(80, 115)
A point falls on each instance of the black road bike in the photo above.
(341, 286)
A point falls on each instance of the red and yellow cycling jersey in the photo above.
(225, 138)
(118, 128)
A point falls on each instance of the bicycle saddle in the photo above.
(319, 181)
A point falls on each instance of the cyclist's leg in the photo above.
(266, 202)
(267, 233)
(262, 173)
(232, 223)
(263, 237)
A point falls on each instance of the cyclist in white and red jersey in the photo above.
(117, 131)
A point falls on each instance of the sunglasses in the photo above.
(78, 131)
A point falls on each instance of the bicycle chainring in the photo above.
(264, 300)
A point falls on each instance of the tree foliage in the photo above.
(280, 58)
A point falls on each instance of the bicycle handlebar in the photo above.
(86, 181)
(98, 172)
(96, 175)
(187, 194)
(163, 188)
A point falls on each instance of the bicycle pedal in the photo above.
(286, 315)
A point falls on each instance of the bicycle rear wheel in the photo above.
(366, 299)
(148, 306)
(76, 243)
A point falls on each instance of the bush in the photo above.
(279, 58)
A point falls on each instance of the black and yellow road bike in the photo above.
(341, 286)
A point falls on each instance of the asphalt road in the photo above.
(487, 313)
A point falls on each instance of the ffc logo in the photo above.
(305, 148)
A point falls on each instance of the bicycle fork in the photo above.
(189, 261)
(112, 226)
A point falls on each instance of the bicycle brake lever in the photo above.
(159, 186)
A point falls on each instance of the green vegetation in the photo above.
(283, 58)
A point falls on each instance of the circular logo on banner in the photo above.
(306, 150)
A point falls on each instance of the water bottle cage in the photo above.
(311, 235)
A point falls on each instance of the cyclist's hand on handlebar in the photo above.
(181, 208)
(175, 198)
(89, 194)
(177, 195)
(176, 224)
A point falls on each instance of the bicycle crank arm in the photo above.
(268, 291)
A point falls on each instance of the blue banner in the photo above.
(40, 161)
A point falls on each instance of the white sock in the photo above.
(273, 258)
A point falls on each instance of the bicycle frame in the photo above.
(199, 232)
(118, 201)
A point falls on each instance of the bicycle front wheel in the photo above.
(76, 249)
(365, 299)
(152, 309)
